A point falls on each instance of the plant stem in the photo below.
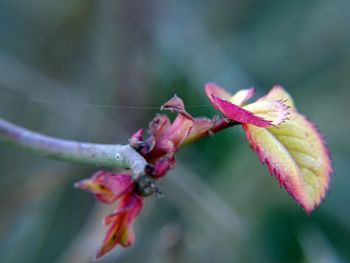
(89, 153)
(110, 155)
(217, 127)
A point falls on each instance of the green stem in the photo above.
(89, 153)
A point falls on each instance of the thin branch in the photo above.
(89, 153)
(221, 124)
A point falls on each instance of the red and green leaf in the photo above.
(295, 153)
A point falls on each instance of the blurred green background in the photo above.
(61, 61)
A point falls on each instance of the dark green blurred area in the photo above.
(61, 60)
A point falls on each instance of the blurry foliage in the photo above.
(220, 204)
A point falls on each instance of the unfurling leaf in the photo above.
(121, 222)
(262, 113)
(295, 153)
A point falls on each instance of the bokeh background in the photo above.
(77, 69)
